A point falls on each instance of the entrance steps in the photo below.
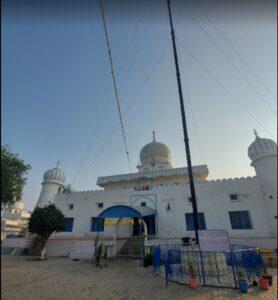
(131, 249)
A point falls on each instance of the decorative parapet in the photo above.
(207, 182)
(101, 181)
(159, 186)
(230, 180)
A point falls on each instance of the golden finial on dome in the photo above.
(153, 136)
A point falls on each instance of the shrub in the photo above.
(98, 254)
(147, 260)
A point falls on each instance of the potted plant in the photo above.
(242, 283)
(267, 275)
(193, 281)
(263, 282)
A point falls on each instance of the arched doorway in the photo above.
(123, 211)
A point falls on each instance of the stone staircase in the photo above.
(130, 249)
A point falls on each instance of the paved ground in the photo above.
(62, 278)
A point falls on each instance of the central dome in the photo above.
(155, 152)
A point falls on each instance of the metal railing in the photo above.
(219, 269)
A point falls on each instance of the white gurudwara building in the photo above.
(245, 207)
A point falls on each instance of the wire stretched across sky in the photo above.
(243, 60)
(219, 82)
(127, 109)
(115, 84)
(238, 70)
(221, 85)
(102, 117)
(124, 77)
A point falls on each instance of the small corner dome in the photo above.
(155, 152)
(54, 174)
(261, 147)
(18, 205)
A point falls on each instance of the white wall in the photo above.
(85, 207)
(212, 197)
(213, 200)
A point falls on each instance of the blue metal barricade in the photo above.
(219, 269)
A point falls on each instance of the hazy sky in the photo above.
(57, 93)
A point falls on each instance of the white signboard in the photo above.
(216, 240)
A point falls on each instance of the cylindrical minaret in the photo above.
(53, 183)
(263, 153)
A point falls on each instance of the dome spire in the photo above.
(154, 136)
(58, 162)
(256, 134)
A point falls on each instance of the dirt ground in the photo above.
(62, 278)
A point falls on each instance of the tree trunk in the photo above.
(43, 252)
(44, 240)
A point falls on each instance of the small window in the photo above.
(190, 199)
(143, 204)
(275, 217)
(97, 224)
(70, 206)
(69, 224)
(240, 219)
(100, 205)
(233, 197)
(190, 221)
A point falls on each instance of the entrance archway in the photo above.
(123, 211)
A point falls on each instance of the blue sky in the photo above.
(57, 88)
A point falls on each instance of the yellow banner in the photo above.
(113, 222)
(126, 221)
(108, 222)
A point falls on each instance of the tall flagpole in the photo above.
(185, 133)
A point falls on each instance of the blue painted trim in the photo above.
(120, 211)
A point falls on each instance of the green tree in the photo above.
(13, 170)
(44, 221)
